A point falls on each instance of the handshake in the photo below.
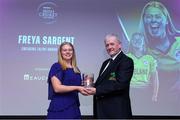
(86, 91)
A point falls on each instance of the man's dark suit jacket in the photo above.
(112, 89)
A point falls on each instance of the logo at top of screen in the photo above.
(47, 12)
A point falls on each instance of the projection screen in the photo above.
(32, 30)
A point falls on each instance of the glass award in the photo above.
(88, 80)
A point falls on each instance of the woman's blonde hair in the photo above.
(73, 60)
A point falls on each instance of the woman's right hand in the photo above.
(83, 90)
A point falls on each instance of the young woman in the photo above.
(64, 83)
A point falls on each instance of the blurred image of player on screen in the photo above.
(144, 83)
(163, 43)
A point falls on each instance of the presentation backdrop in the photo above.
(31, 31)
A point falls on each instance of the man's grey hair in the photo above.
(112, 35)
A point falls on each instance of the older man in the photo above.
(111, 92)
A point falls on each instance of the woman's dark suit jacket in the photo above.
(112, 89)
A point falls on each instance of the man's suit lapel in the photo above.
(100, 73)
(108, 69)
(103, 75)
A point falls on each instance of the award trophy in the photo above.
(88, 79)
